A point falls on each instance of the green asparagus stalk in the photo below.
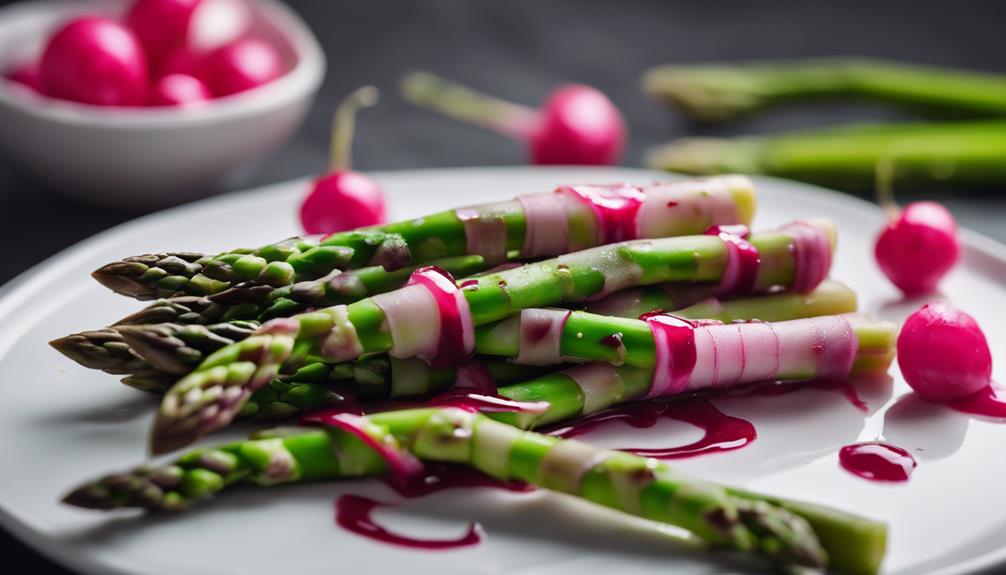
(949, 154)
(318, 386)
(391, 246)
(230, 375)
(719, 92)
(697, 302)
(171, 349)
(789, 533)
(569, 394)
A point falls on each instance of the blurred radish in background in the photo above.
(577, 124)
(163, 53)
(94, 60)
(344, 199)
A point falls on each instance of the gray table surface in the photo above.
(519, 50)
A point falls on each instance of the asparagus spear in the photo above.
(787, 532)
(211, 395)
(316, 386)
(492, 230)
(584, 389)
(176, 349)
(719, 92)
(951, 154)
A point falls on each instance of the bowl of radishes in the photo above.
(151, 102)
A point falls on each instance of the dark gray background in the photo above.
(519, 50)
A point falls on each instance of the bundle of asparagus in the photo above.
(956, 153)
(362, 316)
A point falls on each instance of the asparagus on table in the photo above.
(718, 92)
(789, 533)
(952, 154)
(400, 322)
(540, 225)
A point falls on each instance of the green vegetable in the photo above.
(950, 154)
(789, 533)
(718, 92)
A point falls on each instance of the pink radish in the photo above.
(241, 65)
(943, 354)
(95, 61)
(165, 27)
(576, 125)
(27, 75)
(343, 199)
(178, 90)
(919, 245)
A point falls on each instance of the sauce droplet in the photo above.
(877, 461)
(722, 432)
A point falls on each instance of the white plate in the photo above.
(61, 424)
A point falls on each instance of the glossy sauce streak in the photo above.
(743, 260)
(615, 207)
(722, 432)
(451, 347)
(355, 513)
(988, 402)
(877, 461)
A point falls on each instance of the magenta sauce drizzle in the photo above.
(877, 461)
(451, 348)
(988, 402)
(722, 432)
(741, 280)
(614, 205)
(355, 513)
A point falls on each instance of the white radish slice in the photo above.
(600, 384)
(485, 234)
(689, 207)
(811, 250)
(413, 319)
(541, 336)
(547, 225)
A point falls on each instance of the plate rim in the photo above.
(15, 289)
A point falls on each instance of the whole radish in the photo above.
(178, 90)
(943, 354)
(576, 125)
(166, 27)
(919, 244)
(94, 60)
(25, 74)
(343, 199)
(241, 65)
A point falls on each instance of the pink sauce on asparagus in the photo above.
(355, 513)
(455, 322)
(877, 461)
(743, 260)
(615, 207)
(722, 432)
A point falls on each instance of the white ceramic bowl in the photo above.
(149, 157)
